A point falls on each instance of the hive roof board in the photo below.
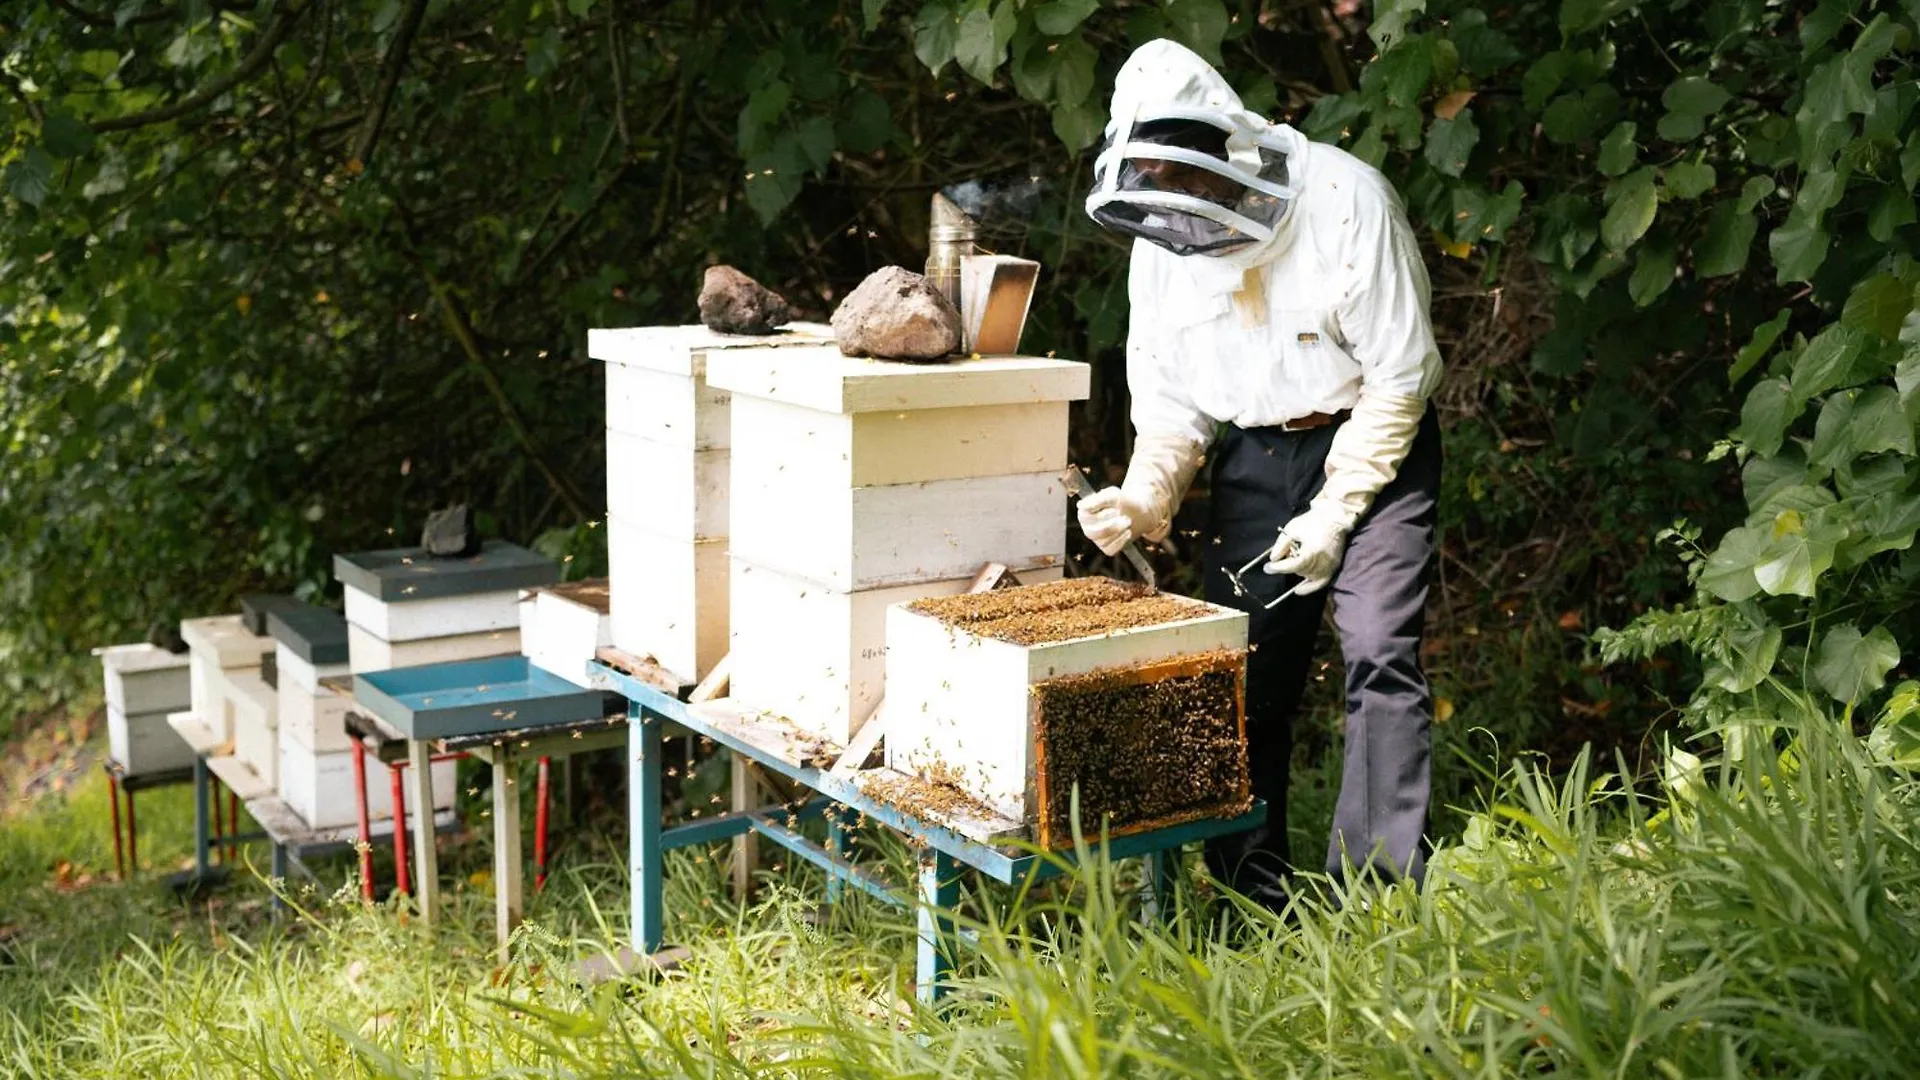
(256, 607)
(313, 634)
(682, 350)
(819, 377)
(471, 697)
(398, 575)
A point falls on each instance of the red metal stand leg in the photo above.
(364, 820)
(233, 822)
(113, 802)
(133, 839)
(540, 826)
(399, 828)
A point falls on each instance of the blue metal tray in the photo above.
(473, 697)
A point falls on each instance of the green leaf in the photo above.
(1483, 50)
(1033, 68)
(1769, 410)
(65, 135)
(1062, 17)
(1635, 202)
(1570, 119)
(866, 124)
(1880, 422)
(1798, 248)
(980, 43)
(1618, 150)
(1691, 179)
(1758, 346)
(1833, 444)
(1755, 189)
(1892, 210)
(1451, 142)
(1850, 665)
(871, 12)
(1878, 306)
(579, 9)
(1764, 479)
(1894, 740)
(1073, 72)
(1825, 362)
(1681, 127)
(775, 177)
(1799, 550)
(1577, 16)
(1728, 573)
(1080, 126)
(30, 177)
(1750, 653)
(816, 142)
(1543, 78)
(1652, 272)
(1906, 376)
(1199, 25)
(1390, 18)
(1822, 23)
(935, 30)
(1694, 95)
(1729, 239)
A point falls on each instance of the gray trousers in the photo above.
(1261, 479)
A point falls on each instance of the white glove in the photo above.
(1364, 458)
(1143, 505)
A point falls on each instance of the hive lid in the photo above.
(399, 575)
(819, 377)
(139, 656)
(594, 594)
(682, 350)
(227, 639)
(255, 607)
(311, 633)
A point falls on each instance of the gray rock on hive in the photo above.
(897, 314)
(733, 303)
(447, 533)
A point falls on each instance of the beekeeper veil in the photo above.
(1183, 163)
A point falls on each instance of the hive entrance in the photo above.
(1059, 610)
(1147, 746)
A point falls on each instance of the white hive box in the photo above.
(256, 725)
(405, 607)
(310, 645)
(669, 435)
(220, 647)
(1136, 695)
(861, 483)
(143, 684)
(319, 787)
(562, 626)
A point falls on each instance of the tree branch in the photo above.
(390, 70)
(248, 67)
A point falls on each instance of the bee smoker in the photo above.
(950, 235)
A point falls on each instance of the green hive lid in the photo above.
(255, 607)
(311, 633)
(399, 575)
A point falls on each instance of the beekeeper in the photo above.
(1280, 330)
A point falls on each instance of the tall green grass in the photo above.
(1764, 927)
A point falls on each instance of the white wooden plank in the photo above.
(814, 655)
(239, 777)
(818, 377)
(683, 350)
(508, 906)
(669, 598)
(670, 490)
(426, 853)
(144, 743)
(897, 534)
(367, 652)
(830, 451)
(679, 410)
(198, 733)
(437, 617)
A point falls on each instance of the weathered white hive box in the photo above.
(405, 607)
(669, 438)
(310, 644)
(562, 626)
(861, 483)
(256, 730)
(1017, 697)
(221, 648)
(143, 684)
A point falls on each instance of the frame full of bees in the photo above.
(1026, 699)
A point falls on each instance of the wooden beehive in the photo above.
(143, 684)
(219, 647)
(562, 626)
(405, 608)
(859, 483)
(669, 438)
(1017, 698)
(310, 644)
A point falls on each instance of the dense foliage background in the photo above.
(278, 277)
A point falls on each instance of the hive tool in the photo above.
(1077, 488)
(1241, 589)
